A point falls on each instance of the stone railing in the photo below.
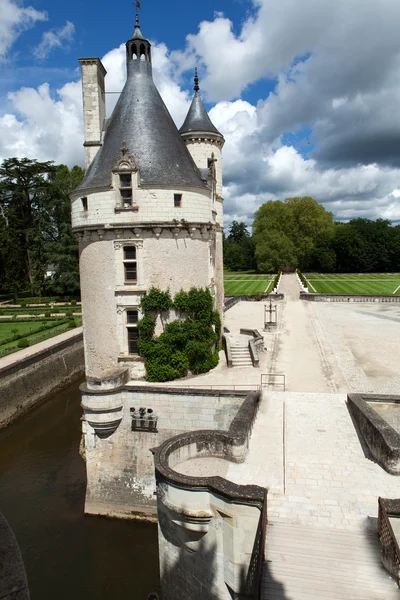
(256, 345)
(382, 440)
(232, 300)
(211, 531)
(390, 551)
(228, 351)
(348, 298)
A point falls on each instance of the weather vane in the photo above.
(137, 4)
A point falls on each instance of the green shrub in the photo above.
(69, 313)
(47, 314)
(23, 343)
(185, 343)
(15, 331)
(73, 302)
(155, 300)
(71, 324)
(147, 326)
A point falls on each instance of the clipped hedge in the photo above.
(302, 278)
(185, 344)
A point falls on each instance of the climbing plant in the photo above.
(189, 343)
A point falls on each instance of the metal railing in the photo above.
(254, 578)
(390, 547)
(270, 379)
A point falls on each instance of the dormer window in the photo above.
(125, 178)
(125, 188)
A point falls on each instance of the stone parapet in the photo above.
(382, 440)
(211, 530)
(348, 298)
(41, 371)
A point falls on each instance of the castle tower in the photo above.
(205, 143)
(145, 215)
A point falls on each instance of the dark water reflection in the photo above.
(42, 489)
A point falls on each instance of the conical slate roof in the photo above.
(197, 118)
(142, 120)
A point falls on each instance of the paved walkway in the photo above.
(323, 484)
(304, 563)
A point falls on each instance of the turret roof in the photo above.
(197, 118)
(142, 120)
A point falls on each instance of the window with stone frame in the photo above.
(130, 265)
(132, 318)
(125, 189)
(177, 200)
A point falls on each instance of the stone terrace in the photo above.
(323, 484)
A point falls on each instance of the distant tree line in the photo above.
(299, 232)
(35, 228)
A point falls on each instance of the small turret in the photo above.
(197, 119)
(203, 140)
(138, 47)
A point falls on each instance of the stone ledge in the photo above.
(163, 389)
(229, 445)
(380, 437)
(232, 300)
(39, 353)
(348, 297)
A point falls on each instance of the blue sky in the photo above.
(306, 93)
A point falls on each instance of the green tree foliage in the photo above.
(287, 233)
(35, 226)
(239, 248)
(62, 248)
(364, 246)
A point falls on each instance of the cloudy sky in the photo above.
(307, 93)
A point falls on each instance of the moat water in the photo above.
(42, 490)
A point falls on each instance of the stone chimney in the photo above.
(94, 105)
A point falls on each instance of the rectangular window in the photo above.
(130, 264)
(126, 181)
(84, 204)
(125, 185)
(133, 334)
(130, 253)
(177, 200)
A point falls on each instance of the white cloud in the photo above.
(55, 38)
(15, 19)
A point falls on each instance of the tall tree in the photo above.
(24, 196)
(287, 233)
(239, 248)
(35, 226)
(62, 248)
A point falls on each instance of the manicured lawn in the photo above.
(6, 329)
(25, 328)
(366, 283)
(247, 283)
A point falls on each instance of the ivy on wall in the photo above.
(187, 343)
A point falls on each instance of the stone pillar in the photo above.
(94, 105)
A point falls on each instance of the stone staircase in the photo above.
(241, 356)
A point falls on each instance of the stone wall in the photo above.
(120, 470)
(347, 298)
(30, 380)
(382, 440)
(211, 531)
(167, 261)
